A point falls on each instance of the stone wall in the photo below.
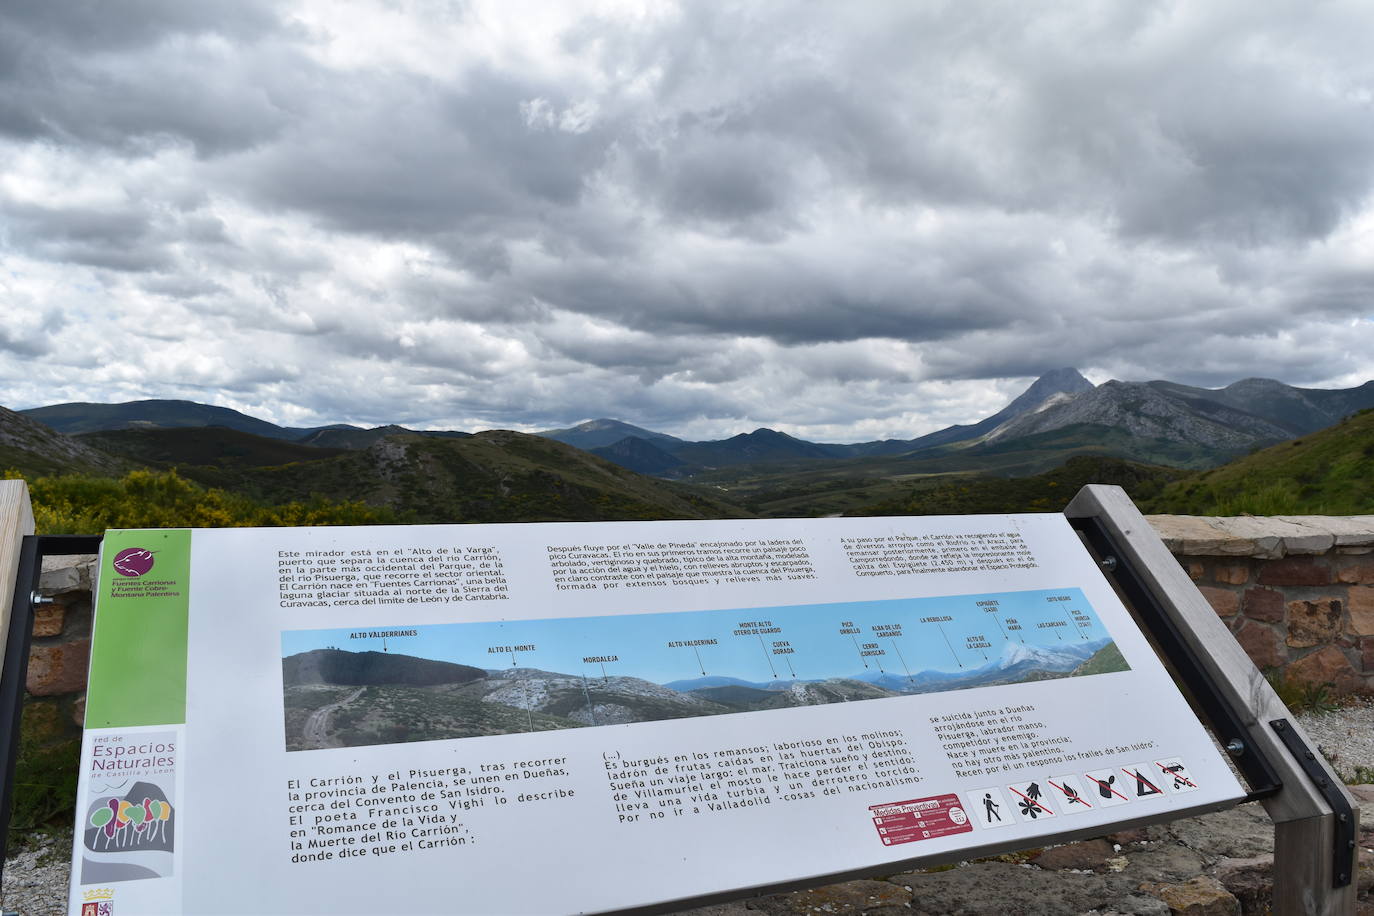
(60, 655)
(1297, 592)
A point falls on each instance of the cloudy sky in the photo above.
(844, 220)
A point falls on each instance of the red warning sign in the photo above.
(920, 819)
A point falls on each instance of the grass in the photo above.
(1330, 472)
(1301, 696)
(1048, 492)
(52, 843)
(44, 785)
(45, 774)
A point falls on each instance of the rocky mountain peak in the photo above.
(1057, 381)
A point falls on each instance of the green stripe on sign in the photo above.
(138, 648)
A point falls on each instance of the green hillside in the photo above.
(212, 446)
(83, 504)
(1048, 492)
(1105, 660)
(493, 476)
(1330, 472)
(33, 449)
(829, 487)
(31, 463)
(215, 476)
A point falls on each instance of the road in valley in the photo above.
(317, 723)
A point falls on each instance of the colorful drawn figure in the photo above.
(120, 821)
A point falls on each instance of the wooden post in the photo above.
(16, 521)
(1304, 824)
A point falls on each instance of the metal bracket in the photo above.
(16, 663)
(1345, 819)
(1225, 720)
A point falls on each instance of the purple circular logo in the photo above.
(133, 562)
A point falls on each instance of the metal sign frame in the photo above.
(1314, 816)
(14, 674)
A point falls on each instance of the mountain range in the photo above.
(417, 699)
(1144, 419)
(1016, 663)
(608, 469)
(1207, 426)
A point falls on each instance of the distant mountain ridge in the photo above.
(1056, 386)
(1145, 421)
(353, 437)
(769, 445)
(642, 456)
(80, 417)
(595, 434)
(85, 417)
(1061, 414)
(1016, 663)
(1247, 413)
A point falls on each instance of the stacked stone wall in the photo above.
(1297, 592)
(60, 654)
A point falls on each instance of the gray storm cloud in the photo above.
(696, 216)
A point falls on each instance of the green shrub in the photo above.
(81, 504)
(45, 774)
(1301, 696)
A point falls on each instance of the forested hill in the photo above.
(493, 476)
(1330, 472)
(1048, 492)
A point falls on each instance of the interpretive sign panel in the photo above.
(590, 717)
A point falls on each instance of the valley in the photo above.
(1164, 442)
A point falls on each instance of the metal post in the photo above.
(1312, 877)
(16, 522)
(16, 625)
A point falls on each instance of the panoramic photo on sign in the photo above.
(413, 718)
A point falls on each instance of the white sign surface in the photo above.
(554, 718)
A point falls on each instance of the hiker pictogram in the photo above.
(989, 806)
(1030, 801)
(1070, 792)
(1172, 772)
(1141, 783)
(1106, 789)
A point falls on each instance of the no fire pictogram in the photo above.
(1069, 790)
